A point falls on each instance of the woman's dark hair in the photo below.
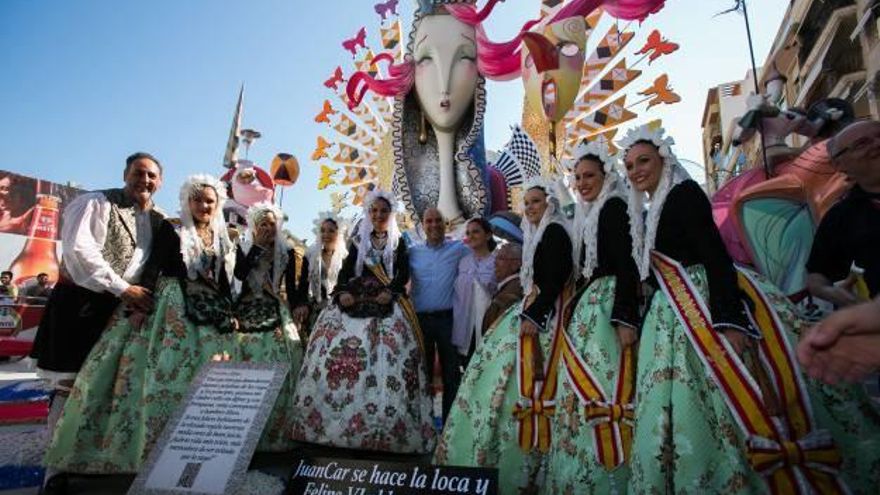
(331, 220)
(487, 228)
(593, 158)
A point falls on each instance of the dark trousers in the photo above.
(437, 330)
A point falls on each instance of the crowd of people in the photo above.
(621, 351)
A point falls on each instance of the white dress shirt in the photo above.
(83, 233)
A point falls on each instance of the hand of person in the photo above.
(738, 340)
(138, 298)
(264, 238)
(384, 297)
(346, 299)
(841, 295)
(845, 345)
(136, 319)
(301, 313)
(626, 335)
(527, 327)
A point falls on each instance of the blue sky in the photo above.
(88, 82)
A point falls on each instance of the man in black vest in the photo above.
(106, 238)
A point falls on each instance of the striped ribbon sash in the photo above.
(612, 421)
(789, 451)
(409, 311)
(537, 398)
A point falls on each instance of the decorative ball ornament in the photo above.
(284, 169)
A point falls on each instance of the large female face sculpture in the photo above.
(553, 59)
(445, 54)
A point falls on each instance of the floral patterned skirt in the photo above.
(281, 345)
(572, 463)
(686, 440)
(363, 385)
(134, 379)
(481, 429)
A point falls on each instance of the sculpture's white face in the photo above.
(445, 53)
(552, 66)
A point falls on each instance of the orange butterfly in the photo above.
(324, 116)
(657, 46)
(335, 79)
(321, 149)
(661, 92)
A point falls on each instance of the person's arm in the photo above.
(244, 263)
(401, 270)
(615, 243)
(830, 261)
(845, 345)
(83, 232)
(554, 264)
(346, 273)
(694, 211)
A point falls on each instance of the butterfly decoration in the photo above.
(335, 79)
(383, 8)
(657, 46)
(352, 44)
(337, 201)
(321, 149)
(661, 92)
(325, 114)
(326, 178)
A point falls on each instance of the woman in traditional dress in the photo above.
(319, 270)
(266, 333)
(363, 383)
(600, 337)
(143, 365)
(474, 287)
(709, 417)
(501, 415)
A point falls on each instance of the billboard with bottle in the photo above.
(30, 232)
(30, 226)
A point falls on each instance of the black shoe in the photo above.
(56, 485)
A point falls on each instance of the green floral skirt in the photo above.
(572, 462)
(481, 429)
(134, 379)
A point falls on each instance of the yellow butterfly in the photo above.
(326, 178)
(320, 149)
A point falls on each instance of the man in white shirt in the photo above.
(106, 238)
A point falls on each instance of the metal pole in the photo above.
(757, 88)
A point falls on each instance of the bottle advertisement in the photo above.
(30, 246)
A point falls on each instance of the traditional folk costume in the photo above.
(501, 417)
(317, 279)
(266, 333)
(592, 426)
(107, 240)
(363, 383)
(703, 422)
(134, 378)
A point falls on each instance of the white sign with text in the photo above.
(208, 443)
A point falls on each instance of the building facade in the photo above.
(824, 48)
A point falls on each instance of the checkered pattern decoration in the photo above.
(520, 159)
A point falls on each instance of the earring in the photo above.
(423, 128)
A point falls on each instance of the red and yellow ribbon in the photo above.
(537, 398)
(612, 420)
(791, 454)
